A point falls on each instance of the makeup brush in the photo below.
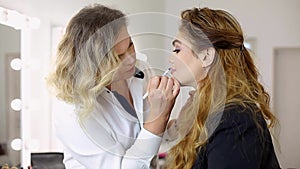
(138, 73)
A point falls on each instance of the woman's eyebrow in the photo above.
(175, 41)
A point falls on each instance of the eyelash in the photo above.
(130, 44)
(176, 50)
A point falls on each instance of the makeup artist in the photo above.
(110, 125)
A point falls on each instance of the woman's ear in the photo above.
(207, 56)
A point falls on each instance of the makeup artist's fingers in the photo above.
(153, 83)
(163, 82)
(176, 87)
(169, 86)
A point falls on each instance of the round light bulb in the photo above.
(16, 104)
(16, 144)
(16, 64)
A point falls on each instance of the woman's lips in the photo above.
(173, 70)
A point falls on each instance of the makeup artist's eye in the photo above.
(176, 50)
(129, 48)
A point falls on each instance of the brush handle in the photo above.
(145, 95)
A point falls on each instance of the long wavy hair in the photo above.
(232, 79)
(85, 62)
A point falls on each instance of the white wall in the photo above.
(286, 103)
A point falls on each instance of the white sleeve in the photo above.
(140, 154)
(82, 151)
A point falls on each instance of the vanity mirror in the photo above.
(10, 103)
(14, 37)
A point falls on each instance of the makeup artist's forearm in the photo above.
(156, 126)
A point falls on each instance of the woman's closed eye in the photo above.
(130, 44)
(176, 50)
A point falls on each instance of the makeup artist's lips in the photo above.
(131, 69)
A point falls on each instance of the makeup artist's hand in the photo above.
(162, 94)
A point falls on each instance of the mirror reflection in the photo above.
(10, 103)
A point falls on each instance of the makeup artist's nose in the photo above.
(130, 59)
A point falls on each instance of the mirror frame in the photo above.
(25, 24)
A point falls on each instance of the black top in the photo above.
(238, 143)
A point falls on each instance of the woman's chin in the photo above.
(183, 82)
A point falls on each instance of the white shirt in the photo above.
(110, 137)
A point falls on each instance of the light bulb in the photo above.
(16, 64)
(16, 144)
(16, 104)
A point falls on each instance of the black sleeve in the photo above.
(235, 144)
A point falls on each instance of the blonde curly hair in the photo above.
(85, 61)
